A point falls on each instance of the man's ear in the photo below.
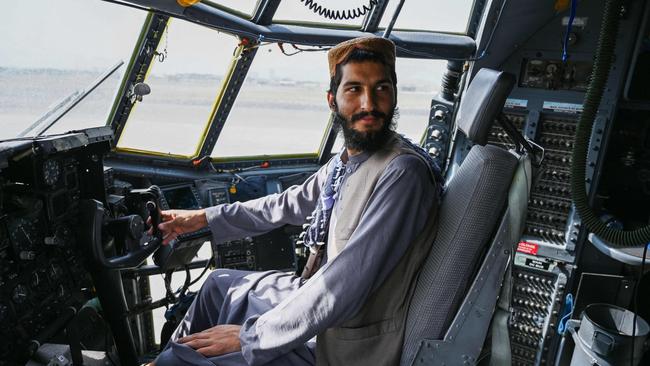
(331, 101)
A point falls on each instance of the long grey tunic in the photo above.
(279, 312)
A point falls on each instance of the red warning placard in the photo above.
(527, 248)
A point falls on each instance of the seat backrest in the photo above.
(471, 207)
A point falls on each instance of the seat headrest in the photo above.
(482, 103)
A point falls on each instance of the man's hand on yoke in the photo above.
(215, 341)
(176, 222)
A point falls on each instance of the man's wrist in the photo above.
(201, 219)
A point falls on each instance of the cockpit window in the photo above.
(245, 7)
(440, 16)
(93, 110)
(308, 11)
(185, 81)
(417, 82)
(281, 108)
(51, 52)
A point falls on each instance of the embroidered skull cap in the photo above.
(382, 46)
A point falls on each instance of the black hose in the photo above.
(602, 63)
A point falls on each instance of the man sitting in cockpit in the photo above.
(371, 217)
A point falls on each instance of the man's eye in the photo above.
(353, 89)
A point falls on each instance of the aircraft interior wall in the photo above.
(555, 258)
(46, 186)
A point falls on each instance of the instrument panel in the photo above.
(43, 276)
(50, 274)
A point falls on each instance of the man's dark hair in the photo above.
(361, 55)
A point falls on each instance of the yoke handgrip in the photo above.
(92, 214)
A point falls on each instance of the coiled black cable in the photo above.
(347, 14)
(600, 72)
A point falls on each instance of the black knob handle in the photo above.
(155, 214)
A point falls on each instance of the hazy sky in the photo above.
(92, 34)
(68, 34)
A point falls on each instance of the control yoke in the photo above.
(120, 243)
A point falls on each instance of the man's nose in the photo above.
(368, 100)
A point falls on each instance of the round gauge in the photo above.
(51, 172)
(23, 232)
(21, 292)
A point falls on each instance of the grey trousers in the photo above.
(230, 297)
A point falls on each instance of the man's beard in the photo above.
(366, 140)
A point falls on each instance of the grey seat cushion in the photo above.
(470, 209)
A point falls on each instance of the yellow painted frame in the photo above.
(215, 105)
(129, 67)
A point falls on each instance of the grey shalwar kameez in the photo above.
(280, 314)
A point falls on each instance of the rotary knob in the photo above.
(436, 134)
(20, 294)
(439, 115)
